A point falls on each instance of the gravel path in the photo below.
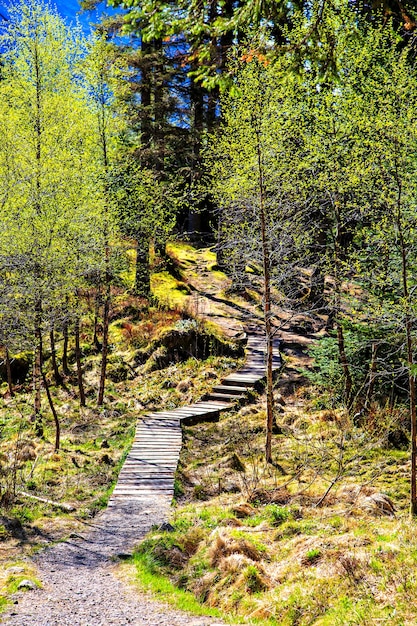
(79, 583)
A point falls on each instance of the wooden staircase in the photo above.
(148, 472)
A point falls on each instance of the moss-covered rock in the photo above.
(188, 338)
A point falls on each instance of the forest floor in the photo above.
(312, 540)
(75, 578)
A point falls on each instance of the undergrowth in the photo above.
(94, 441)
(260, 542)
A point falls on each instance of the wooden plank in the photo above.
(148, 472)
(138, 489)
(230, 389)
(146, 443)
(216, 405)
(226, 396)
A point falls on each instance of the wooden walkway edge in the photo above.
(148, 472)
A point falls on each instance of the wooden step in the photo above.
(228, 396)
(230, 389)
(234, 380)
(247, 380)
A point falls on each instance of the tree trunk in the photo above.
(344, 363)
(337, 312)
(145, 103)
(195, 223)
(57, 375)
(104, 353)
(97, 299)
(65, 367)
(316, 295)
(266, 258)
(372, 372)
(410, 360)
(107, 273)
(142, 269)
(9, 373)
(54, 413)
(220, 253)
(78, 362)
(159, 106)
(413, 417)
(37, 372)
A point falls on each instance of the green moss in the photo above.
(169, 291)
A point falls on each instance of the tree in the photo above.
(259, 214)
(100, 72)
(47, 213)
(389, 104)
(146, 211)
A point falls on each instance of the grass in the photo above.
(164, 590)
(286, 561)
(12, 574)
(94, 442)
(249, 540)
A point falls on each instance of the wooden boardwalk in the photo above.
(148, 472)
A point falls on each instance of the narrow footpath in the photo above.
(80, 586)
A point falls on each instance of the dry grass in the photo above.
(264, 550)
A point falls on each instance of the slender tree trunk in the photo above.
(9, 373)
(65, 367)
(104, 353)
(344, 363)
(413, 416)
(317, 288)
(54, 413)
(97, 301)
(410, 356)
(197, 105)
(78, 362)
(142, 269)
(220, 253)
(107, 273)
(159, 106)
(57, 375)
(37, 364)
(37, 372)
(145, 101)
(337, 314)
(266, 258)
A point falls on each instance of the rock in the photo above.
(166, 528)
(279, 399)
(398, 439)
(184, 385)
(248, 410)
(27, 584)
(231, 488)
(124, 556)
(378, 504)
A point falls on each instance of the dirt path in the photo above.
(79, 577)
(80, 586)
